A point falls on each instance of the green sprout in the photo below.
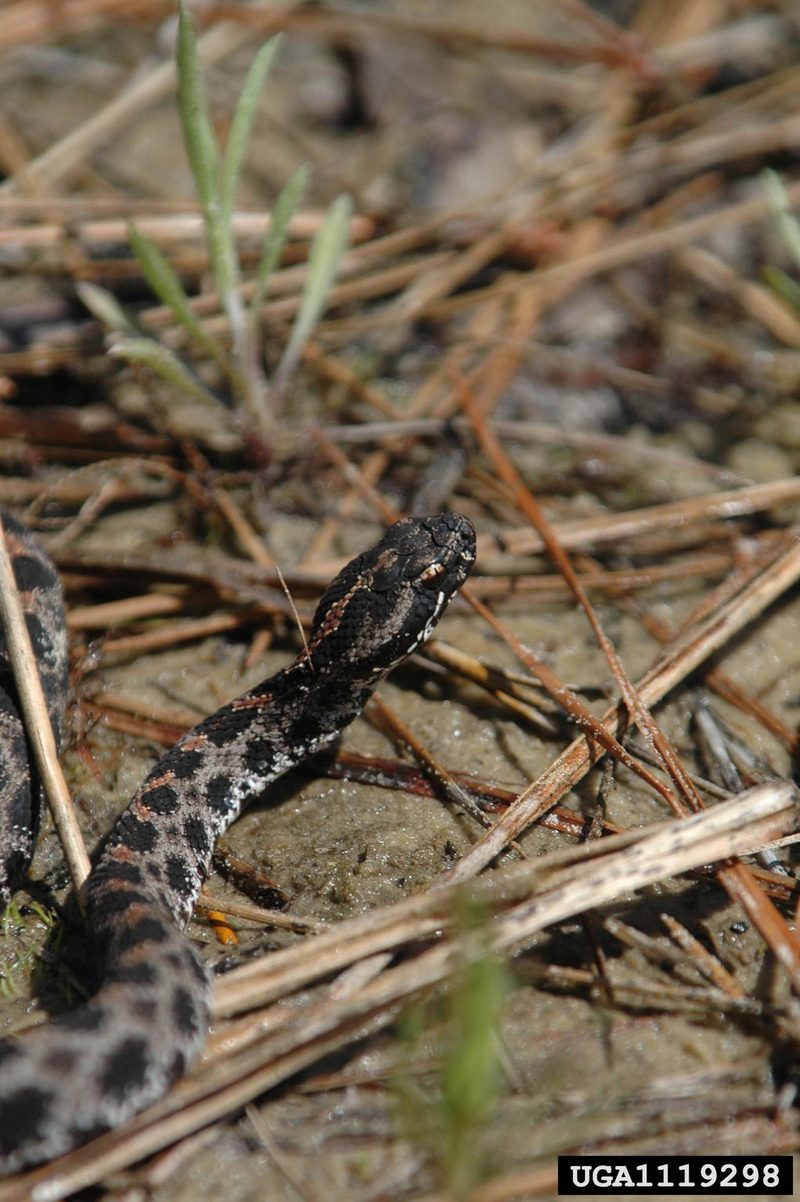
(216, 176)
(789, 228)
(451, 1122)
(18, 955)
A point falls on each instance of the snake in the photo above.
(89, 1069)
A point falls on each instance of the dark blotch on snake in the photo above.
(185, 1011)
(178, 1065)
(89, 1019)
(35, 630)
(236, 721)
(139, 834)
(135, 974)
(178, 875)
(130, 873)
(117, 901)
(186, 763)
(196, 834)
(144, 930)
(218, 794)
(161, 799)
(23, 1115)
(30, 573)
(125, 1068)
(8, 1053)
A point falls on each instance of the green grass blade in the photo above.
(323, 263)
(241, 125)
(203, 154)
(283, 211)
(198, 136)
(781, 283)
(786, 222)
(169, 290)
(165, 363)
(105, 307)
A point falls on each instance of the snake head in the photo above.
(385, 603)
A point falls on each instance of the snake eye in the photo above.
(432, 573)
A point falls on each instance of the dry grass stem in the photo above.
(503, 689)
(172, 633)
(261, 915)
(587, 532)
(708, 965)
(94, 234)
(444, 782)
(250, 543)
(128, 609)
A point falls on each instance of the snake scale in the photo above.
(91, 1068)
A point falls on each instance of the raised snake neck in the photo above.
(93, 1067)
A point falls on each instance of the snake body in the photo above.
(93, 1067)
(43, 606)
